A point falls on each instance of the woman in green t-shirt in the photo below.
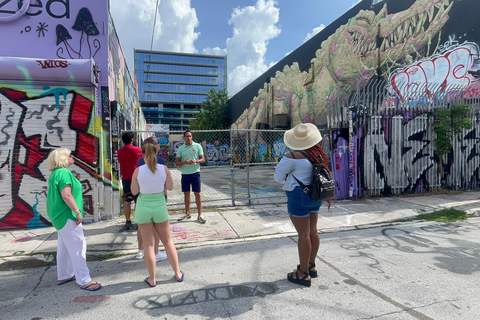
(65, 210)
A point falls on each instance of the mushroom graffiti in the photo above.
(62, 36)
(85, 24)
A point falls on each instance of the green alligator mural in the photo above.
(369, 45)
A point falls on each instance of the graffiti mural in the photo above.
(217, 154)
(33, 123)
(84, 25)
(374, 84)
(370, 43)
(430, 77)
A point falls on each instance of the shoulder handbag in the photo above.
(322, 186)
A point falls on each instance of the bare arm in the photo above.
(201, 159)
(70, 201)
(169, 180)
(135, 187)
(178, 162)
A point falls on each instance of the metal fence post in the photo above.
(232, 167)
(248, 168)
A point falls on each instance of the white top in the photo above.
(301, 168)
(151, 183)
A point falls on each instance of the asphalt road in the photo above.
(409, 270)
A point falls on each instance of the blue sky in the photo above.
(254, 34)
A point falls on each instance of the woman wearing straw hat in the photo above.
(305, 140)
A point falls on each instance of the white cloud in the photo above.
(174, 29)
(314, 32)
(215, 51)
(253, 27)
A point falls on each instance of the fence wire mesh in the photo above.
(238, 168)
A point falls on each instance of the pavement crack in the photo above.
(226, 220)
(404, 308)
(411, 308)
(39, 281)
(43, 242)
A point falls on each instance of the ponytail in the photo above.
(150, 153)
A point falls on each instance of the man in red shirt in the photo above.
(128, 157)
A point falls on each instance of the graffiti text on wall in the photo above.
(31, 126)
(432, 76)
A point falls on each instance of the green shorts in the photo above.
(151, 208)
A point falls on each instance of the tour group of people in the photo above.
(146, 181)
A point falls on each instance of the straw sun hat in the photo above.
(302, 137)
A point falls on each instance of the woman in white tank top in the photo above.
(151, 215)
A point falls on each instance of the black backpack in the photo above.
(322, 186)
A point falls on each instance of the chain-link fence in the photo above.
(238, 168)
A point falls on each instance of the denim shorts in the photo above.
(300, 204)
(191, 180)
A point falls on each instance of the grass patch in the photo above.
(109, 256)
(444, 215)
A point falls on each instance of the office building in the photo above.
(171, 86)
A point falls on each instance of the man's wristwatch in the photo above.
(78, 211)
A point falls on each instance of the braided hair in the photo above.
(313, 153)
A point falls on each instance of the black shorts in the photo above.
(127, 191)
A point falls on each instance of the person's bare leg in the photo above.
(187, 202)
(156, 242)
(302, 225)
(163, 230)
(198, 202)
(147, 230)
(139, 239)
(127, 210)
(314, 239)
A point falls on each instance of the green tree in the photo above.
(214, 112)
(448, 123)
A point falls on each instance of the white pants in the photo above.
(71, 253)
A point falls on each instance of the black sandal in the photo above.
(301, 281)
(313, 273)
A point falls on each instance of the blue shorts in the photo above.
(300, 204)
(191, 180)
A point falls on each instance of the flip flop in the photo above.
(146, 280)
(88, 287)
(183, 276)
(66, 281)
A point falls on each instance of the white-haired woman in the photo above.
(305, 140)
(151, 214)
(65, 210)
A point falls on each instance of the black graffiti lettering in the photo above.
(66, 5)
(37, 4)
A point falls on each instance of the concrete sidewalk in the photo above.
(26, 248)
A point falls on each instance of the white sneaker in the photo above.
(139, 255)
(160, 256)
